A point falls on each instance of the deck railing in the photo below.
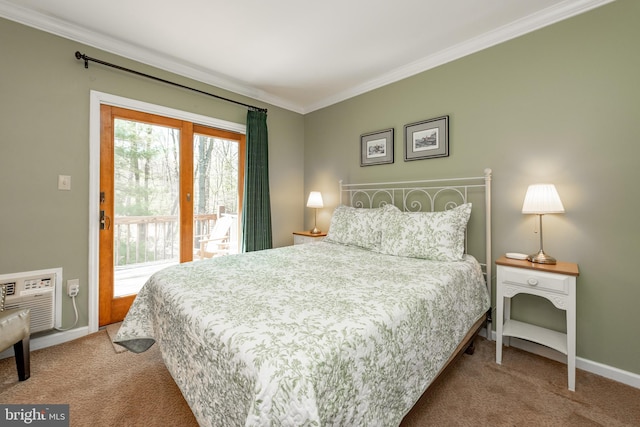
(143, 239)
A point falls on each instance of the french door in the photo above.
(164, 184)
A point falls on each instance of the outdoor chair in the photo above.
(217, 242)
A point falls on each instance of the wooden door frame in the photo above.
(96, 99)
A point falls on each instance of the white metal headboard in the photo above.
(429, 196)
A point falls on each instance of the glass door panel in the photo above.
(215, 189)
(146, 225)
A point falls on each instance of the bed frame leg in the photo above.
(471, 348)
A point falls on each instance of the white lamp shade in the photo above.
(542, 199)
(315, 200)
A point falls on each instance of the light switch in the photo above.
(64, 182)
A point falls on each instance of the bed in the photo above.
(347, 331)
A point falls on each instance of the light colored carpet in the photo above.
(526, 390)
(101, 387)
(104, 388)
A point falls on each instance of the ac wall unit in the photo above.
(35, 292)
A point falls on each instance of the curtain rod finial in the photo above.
(82, 56)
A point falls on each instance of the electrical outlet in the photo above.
(73, 287)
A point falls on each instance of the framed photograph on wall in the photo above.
(426, 139)
(376, 148)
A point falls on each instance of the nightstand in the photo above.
(557, 283)
(301, 237)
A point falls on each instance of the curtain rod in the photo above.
(128, 70)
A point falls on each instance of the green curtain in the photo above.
(256, 206)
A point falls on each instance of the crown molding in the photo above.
(528, 24)
(61, 28)
(551, 15)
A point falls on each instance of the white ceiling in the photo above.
(295, 54)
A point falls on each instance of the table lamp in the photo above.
(315, 201)
(542, 199)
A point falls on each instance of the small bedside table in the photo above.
(557, 283)
(301, 237)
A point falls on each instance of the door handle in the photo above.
(105, 221)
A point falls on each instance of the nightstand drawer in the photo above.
(300, 240)
(536, 280)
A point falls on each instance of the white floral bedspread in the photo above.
(315, 334)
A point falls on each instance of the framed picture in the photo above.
(426, 139)
(376, 148)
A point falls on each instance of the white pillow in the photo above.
(358, 226)
(436, 236)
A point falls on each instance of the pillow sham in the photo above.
(436, 236)
(358, 226)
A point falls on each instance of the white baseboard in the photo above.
(50, 340)
(615, 374)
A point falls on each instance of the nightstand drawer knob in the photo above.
(532, 281)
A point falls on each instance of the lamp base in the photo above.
(315, 231)
(541, 258)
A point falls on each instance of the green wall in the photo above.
(559, 105)
(44, 132)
